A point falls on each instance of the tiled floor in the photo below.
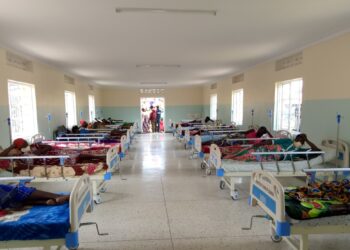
(166, 202)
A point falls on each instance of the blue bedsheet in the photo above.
(41, 223)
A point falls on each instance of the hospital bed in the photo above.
(46, 226)
(269, 194)
(79, 143)
(212, 133)
(231, 172)
(59, 173)
(197, 149)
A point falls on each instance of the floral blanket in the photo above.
(318, 200)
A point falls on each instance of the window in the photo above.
(237, 107)
(213, 106)
(22, 105)
(71, 110)
(288, 99)
(92, 108)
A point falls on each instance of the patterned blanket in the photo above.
(318, 200)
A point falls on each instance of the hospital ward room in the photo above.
(175, 124)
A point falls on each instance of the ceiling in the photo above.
(89, 39)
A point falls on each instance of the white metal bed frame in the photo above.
(230, 179)
(98, 180)
(80, 202)
(268, 193)
(197, 147)
(38, 138)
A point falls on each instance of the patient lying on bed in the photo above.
(21, 146)
(231, 146)
(15, 197)
(240, 153)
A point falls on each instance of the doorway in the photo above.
(146, 103)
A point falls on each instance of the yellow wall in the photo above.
(326, 74)
(180, 103)
(49, 88)
(119, 96)
(325, 70)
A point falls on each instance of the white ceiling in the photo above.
(87, 38)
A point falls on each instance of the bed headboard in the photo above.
(123, 143)
(37, 138)
(179, 129)
(112, 157)
(215, 156)
(283, 134)
(128, 135)
(343, 153)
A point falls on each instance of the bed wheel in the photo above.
(208, 172)
(97, 199)
(202, 165)
(234, 195)
(222, 185)
(276, 238)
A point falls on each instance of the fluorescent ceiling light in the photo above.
(158, 66)
(153, 83)
(173, 11)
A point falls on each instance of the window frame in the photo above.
(68, 125)
(279, 110)
(34, 115)
(92, 113)
(211, 115)
(237, 94)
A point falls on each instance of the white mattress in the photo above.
(284, 166)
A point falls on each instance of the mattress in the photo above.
(36, 223)
(284, 166)
(208, 138)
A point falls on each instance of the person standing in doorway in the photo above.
(145, 121)
(153, 118)
(159, 114)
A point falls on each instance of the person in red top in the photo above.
(161, 125)
(153, 118)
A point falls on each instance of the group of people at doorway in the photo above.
(152, 120)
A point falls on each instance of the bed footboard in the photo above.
(123, 146)
(342, 160)
(197, 144)
(80, 202)
(215, 157)
(267, 192)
